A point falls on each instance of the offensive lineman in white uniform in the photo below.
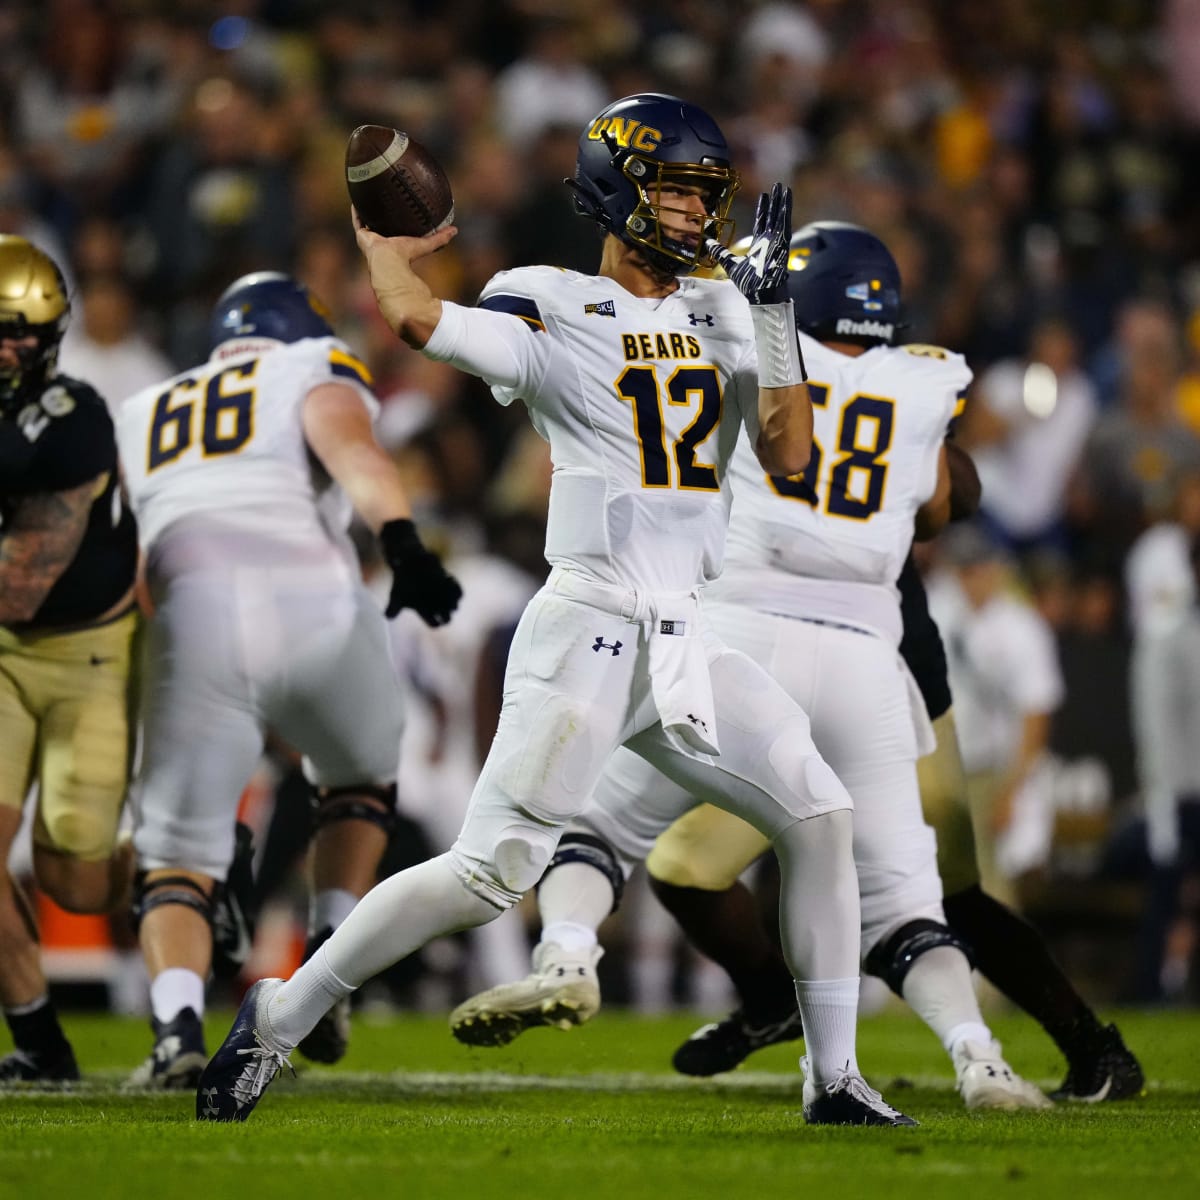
(809, 593)
(641, 379)
(261, 619)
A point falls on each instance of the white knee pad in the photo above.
(807, 776)
(519, 858)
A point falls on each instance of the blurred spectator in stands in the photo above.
(985, 312)
(219, 204)
(105, 344)
(1143, 326)
(1159, 582)
(18, 214)
(1083, 604)
(550, 83)
(1025, 427)
(1166, 716)
(85, 111)
(1135, 452)
(543, 227)
(785, 41)
(1006, 682)
(1181, 50)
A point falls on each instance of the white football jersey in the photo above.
(226, 438)
(830, 542)
(641, 401)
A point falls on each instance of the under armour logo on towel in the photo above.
(695, 720)
(707, 319)
(673, 628)
(601, 644)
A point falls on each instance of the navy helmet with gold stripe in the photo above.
(632, 153)
(844, 283)
(268, 304)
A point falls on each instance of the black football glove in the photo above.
(762, 274)
(419, 581)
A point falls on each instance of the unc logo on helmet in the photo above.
(268, 304)
(33, 305)
(637, 149)
(844, 283)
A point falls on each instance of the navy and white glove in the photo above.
(419, 581)
(762, 277)
(762, 274)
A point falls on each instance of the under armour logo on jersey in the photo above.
(601, 644)
(605, 308)
(695, 720)
(707, 319)
(673, 628)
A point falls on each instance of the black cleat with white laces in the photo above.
(725, 1044)
(54, 1066)
(178, 1056)
(847, 1099)
(1105, 1069)
(330, 1036)
(243, 1066)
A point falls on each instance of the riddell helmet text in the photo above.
(879, 329)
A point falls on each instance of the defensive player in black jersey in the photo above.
(68, 557)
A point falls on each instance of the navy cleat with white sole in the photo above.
(847, 1099)
(244, 1064)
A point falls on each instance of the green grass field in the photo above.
(598, 1112)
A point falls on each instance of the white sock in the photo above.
(939, 990)
(23, 1010)
(577, 896)
(574, 939)
(330, 907)
(392, 920)
(302, 1001)
(968, 1031)
(173, 990)
(829, 1014)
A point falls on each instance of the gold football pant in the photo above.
(708, 848)
(65, 703)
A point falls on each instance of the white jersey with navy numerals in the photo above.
(830, 542)
(227, 438)
(642, 401)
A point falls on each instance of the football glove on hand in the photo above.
(419, 581)
(762, 274)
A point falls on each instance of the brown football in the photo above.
(397, 186)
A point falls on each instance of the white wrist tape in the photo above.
(779, 361)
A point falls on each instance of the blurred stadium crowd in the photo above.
(1033, 166)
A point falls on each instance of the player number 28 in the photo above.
(688, 386)
(227, 423)
(859, 473)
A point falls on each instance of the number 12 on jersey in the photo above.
(859, 474)
(687, 386)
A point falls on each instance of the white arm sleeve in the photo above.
(496, 346)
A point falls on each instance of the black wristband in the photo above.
(399, 539)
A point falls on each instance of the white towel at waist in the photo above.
(679, 678)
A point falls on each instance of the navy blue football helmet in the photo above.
(268, 304)
(627, 154)
(844, 283)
